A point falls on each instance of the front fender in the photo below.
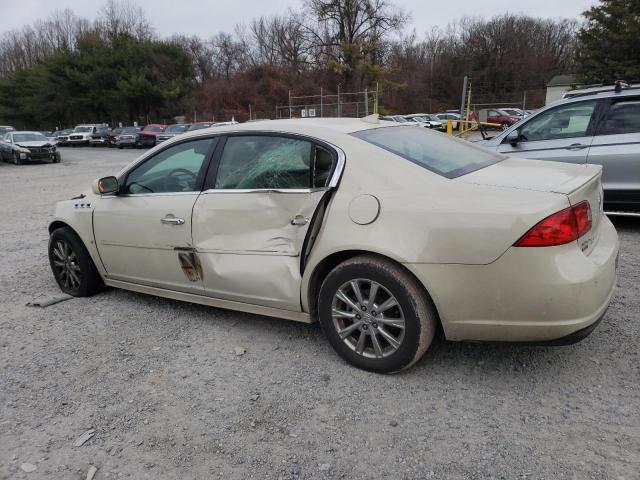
(77, 214)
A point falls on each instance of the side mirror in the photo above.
(513, 137)
(106, 186)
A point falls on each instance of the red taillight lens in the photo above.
(562, 227)
(582, 212)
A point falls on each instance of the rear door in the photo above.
(616, 147)
(562, 134)
(250, 226)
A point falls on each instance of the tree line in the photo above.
(65, 69)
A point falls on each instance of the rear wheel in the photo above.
(376, 315)
(72, 265)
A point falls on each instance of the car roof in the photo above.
(312, 127)
(24, 131)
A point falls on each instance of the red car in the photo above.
(147, 136)
(496, 115)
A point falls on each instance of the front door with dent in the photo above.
(143, 234)
(249, 229)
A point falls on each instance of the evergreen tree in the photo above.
(608, 47)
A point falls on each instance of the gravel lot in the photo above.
(168, 397)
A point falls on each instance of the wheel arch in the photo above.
(59, 224)
(324, 266)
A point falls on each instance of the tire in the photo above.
(68, 253)
(57, 158)
(505, 125)
(16, 159)
(413, 309)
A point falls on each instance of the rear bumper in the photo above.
(528, 294)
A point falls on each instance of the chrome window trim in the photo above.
(266, 190)
(156, 194)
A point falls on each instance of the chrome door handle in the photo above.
(576, 146)
(172, 221)
(299, 220)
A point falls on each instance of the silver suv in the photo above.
(601, 128)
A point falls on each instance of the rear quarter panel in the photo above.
(424, 218)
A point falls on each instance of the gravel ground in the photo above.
(168, 397)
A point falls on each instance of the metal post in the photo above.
(366, 102)
(290, 112)
(321, 104)
(376, 104)
(524, 101)
(249, 111)
(339, 107)
(464, 96)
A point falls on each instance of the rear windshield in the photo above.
(444, 155)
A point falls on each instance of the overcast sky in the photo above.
(208, 17)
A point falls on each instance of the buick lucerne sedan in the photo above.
(382, 233)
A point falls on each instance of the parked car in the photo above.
(50, 134)
(498, 116)
(171, 131)
(147, 137)
(426, 120)
(4, 129)
(21, 146)
(81, 135)
(110, 138)
(128, 137)
(62, 138)
(446, 116)
(199, 126)
(396, 119)
(597, 128)
(99, 138)
(325, 219)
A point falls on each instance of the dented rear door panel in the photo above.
(249, 243)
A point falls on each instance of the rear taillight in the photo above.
(562, 227)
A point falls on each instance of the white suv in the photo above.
(81, 135)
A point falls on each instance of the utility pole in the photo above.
(377, 92)
(249, 111)
(339, 107)
(321, 104)
(290, 111)
(366, 102)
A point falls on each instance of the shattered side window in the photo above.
(252, 162)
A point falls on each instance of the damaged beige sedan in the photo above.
(383, 233)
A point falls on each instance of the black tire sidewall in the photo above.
(90, 278)
(370, 271)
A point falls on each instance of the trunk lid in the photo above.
(579, 182)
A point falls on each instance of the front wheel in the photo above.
(72, 265)
(376, 315)
(505, 125)
(16, 159)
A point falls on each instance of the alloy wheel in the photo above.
(66, 266)
(368, 318)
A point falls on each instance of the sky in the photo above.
(208, 17)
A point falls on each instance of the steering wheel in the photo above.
(171, 180)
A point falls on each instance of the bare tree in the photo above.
(350, 32)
